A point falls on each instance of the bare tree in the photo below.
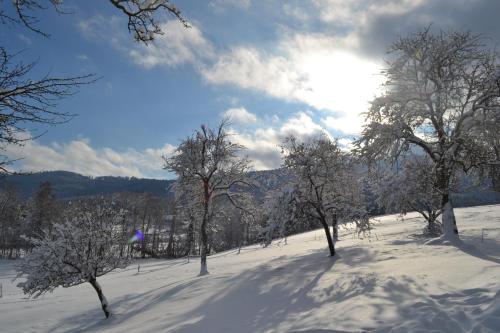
(327, 189)
(209, 167)
(24, 100)
(440, 90)
(21, 12)
(143, 15)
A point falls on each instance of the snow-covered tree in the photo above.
(12, 224)
(441, 88)
(280, 215)
(327, 189)
(44, 209)
(82, 248)
(411, 188)
(209, 167)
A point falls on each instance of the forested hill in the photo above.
(67, 185)
(70, 185)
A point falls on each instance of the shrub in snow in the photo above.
(76, 251)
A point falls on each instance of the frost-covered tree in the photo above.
(441, 88)
(280, 215)
(82, 248)
(209, 167)
(327, 189)
(44, 209)
(12, 224)
(411, 188)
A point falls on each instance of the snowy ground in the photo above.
(389, 282)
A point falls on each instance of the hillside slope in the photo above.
(388, 282)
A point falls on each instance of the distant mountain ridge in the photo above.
(67, 185)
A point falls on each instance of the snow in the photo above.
(389, 282)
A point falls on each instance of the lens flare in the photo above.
(138, 236)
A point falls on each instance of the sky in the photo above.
(276, 68)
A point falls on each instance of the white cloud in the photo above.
(79, 156)
(222, 5)
(348, 124)
(25, 39)
(345, 143)
(323, 72)
(302, 126)
(263, 144)
(82, 57)
(296, 12)
(100, 27)
(357, 12)
(250, 69)
(176, 46)
(262, 147)
(240, 115)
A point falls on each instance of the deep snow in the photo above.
(389, 282)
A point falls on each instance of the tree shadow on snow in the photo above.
(488, 249)
(288, 290)
(255, 300)
(262, 298)
(465, 244)
(133, 304)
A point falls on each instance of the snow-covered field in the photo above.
(389, 282)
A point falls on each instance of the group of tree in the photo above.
(437, 117)
(442, 103)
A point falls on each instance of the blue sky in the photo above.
(277, 67)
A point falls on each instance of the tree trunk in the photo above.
(203, 233)
(170, 246)
(335, 228)
(204, 246)
(495, 176)
(449, 222)
(102, 298)
(189, 238)
(433, 228)
(331, 246)
(448, 216)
